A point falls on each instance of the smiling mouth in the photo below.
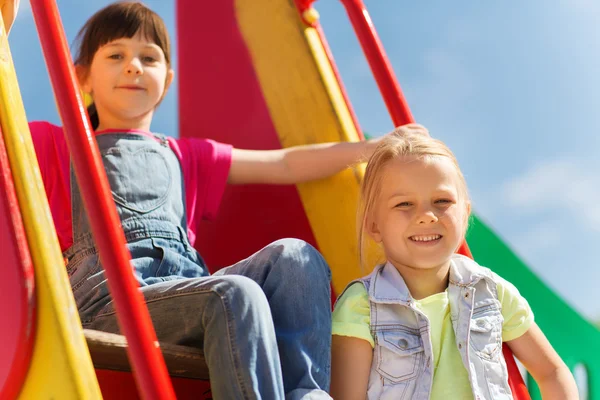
(130, 87)
(425, 238)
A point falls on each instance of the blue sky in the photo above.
(512, 88)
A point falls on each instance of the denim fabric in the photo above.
(263, 323)
(402, 366)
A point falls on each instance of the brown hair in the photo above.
(406, 141)
(116, 21)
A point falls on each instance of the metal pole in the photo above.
(380, 65)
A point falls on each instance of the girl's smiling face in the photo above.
(127, 79)
(420, 216)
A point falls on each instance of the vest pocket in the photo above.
(486, 334)
(400, 355)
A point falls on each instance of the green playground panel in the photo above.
(574, 338)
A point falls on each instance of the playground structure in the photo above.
(268, 65)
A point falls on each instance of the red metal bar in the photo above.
(380, 65)
(400, 113)
(150, 371)
(515, 380)
(382, 70)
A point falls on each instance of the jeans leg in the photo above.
(296, 281)
(229, 318)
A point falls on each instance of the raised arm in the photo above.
(544, 364)
(301, 163)
(296, 164)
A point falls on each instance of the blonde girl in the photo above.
(428, 323)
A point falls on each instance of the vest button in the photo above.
(403, 343)
(460, 345)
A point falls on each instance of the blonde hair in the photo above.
(406, 141)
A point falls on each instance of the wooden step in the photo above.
(109, 351)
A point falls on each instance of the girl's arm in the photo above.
(303, 163)
(350, 367)
(296, 164)
(544, 364)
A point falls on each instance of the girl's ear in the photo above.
(372, 229)
(170, 77)
(83, 77)
(467, 215)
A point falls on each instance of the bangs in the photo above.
(118, 21)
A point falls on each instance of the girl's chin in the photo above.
(423, 264)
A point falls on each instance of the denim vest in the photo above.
(146, 182)
(402, 366)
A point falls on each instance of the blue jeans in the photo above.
(264, 323)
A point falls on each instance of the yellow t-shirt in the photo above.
(352, 317)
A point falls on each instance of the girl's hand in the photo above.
(408, 129)
(414, 128)
(9, 9)
(545, 365)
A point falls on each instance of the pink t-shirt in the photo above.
(205, 165)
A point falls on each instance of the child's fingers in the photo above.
(413, 128)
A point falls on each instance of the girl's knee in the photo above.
(299, 259)
(237, 289)
(239, 306)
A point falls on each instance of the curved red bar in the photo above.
(17, 289)
(515, 380)
(382, 69)
(134, 319)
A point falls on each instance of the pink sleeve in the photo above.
(53, 159)
(205, 165)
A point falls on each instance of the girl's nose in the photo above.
(427, 218)
(133, 71)
(134, 68)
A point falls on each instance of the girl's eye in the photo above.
(444, 201)
(149, 59)
(404, 204)
(115, 56)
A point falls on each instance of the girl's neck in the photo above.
(141, 123)
(423, 283)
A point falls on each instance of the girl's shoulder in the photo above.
(44, 129)
(353, 292)
(48, 139)
(356, 290)
(467, 270)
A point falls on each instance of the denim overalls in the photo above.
(402, 366)
(264, 323)
(147, 187)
